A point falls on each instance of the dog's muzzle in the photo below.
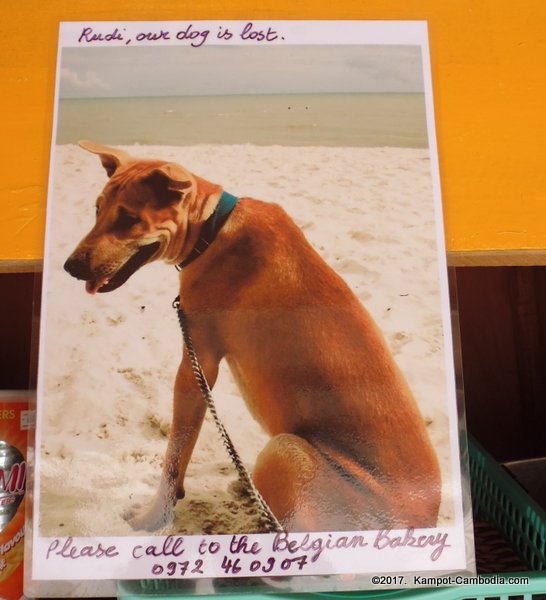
(110, 279)
(78, 267)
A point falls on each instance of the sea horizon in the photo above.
(329, 119)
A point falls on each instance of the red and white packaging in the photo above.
(15, 420)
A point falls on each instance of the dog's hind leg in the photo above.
(311, 488)
(189, 409)
(301, 488)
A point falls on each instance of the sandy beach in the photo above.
(109, 361)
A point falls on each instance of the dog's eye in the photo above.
(126, 220)
(98, 204)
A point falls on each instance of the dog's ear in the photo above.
(169, 181)
(174, 176)
(111, 158)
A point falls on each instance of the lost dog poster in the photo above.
(281, 180)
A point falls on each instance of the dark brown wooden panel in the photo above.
(502, 314)
(16, 302)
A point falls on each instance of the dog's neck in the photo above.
(210, 228)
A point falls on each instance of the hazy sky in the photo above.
(209, 70)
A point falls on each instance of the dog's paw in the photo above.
(149, 518)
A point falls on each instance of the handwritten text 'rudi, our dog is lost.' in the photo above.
(191, 34)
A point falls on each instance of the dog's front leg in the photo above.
(189, 408)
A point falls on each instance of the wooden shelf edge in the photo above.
(497, 258)
(21, 266)
(471, 258)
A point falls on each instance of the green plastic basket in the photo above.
(496, 498)
(499, 499)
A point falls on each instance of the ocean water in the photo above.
(287, 120)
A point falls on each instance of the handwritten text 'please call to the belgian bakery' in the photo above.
(193, 34)
(243, 555)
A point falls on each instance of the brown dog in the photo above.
(348, 449)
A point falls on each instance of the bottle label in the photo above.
(15, 420)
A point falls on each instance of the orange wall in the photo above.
(488, 66)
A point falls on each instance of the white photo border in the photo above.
(128, 558)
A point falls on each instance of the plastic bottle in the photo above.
(15, 421)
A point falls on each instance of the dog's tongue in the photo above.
(92, 287)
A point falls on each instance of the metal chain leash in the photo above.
(271, 522)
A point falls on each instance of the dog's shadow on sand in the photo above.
(232, 511)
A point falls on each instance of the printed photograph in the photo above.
(284, 196)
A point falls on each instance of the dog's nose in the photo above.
(78, 267)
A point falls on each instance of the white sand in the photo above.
(110, 359)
